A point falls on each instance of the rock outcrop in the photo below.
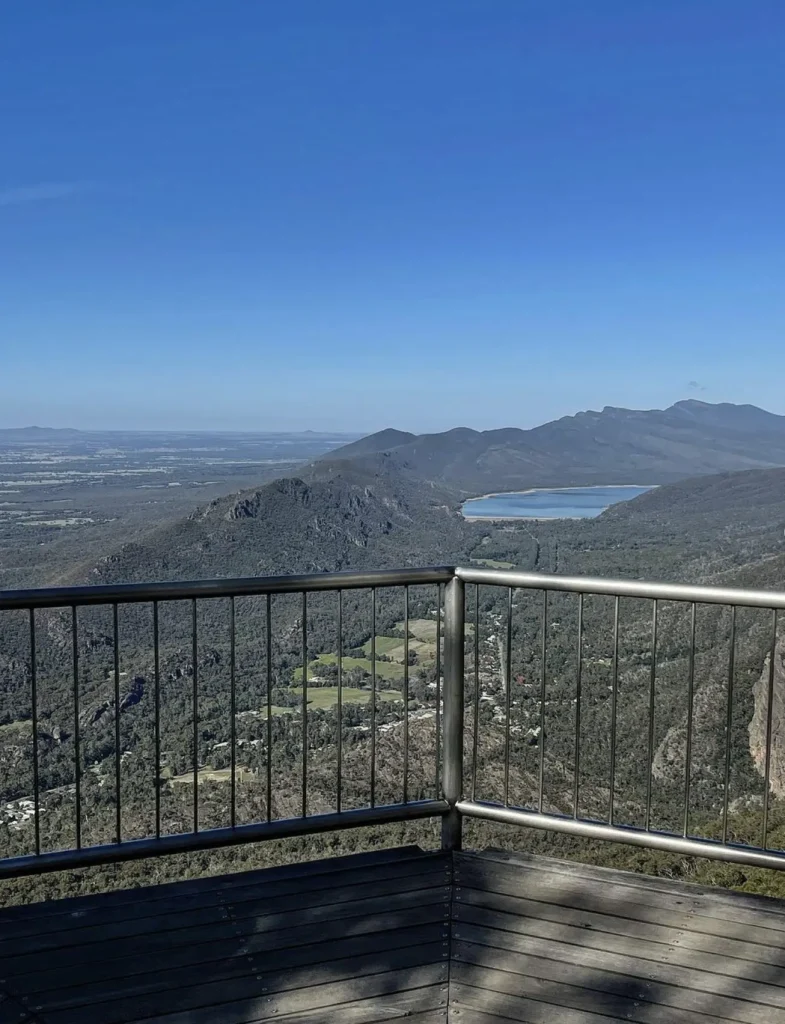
(758, 723)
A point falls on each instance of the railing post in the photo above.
(452, 773)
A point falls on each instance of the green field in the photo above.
(425, 630)
(384, 669)
(422, 642)
(385, 645)
(423, 646)
(324, 697)
(421, 629)
(277, 710)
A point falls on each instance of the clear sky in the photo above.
(348, 214)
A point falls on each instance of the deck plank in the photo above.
(764, 910)
(727, 938)
(150, 963)
(661, 894)
(230, 915)
(219, 883)
(470, 999)
(485, 938)
(502, 985)
(279, 984)
(611, 977)
(538, 940)
(423, 988)
(96, 986)
(254, 933)
(638, 959)
(378, 1010)
(202, 903)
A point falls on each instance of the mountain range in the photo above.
(614, 446)
(394, 498)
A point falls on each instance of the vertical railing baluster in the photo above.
(507, 699)
(269, 652)
(690, 709)
(578, 687)
(476, 724)
(373, 696)
(544, 655)
(305, 707)
(77, 744)
(232, 714)
(195, 704)
(614, 694)
(117, 763)
(157, 724)
(34, 709)
(406, 694)
(454, 655)
(339, 772)
(769, 707)
(650, 744)
(438, 786)
(729, 722)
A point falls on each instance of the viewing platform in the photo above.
(405, 933)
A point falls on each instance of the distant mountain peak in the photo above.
(33, 432)
(691, 403)
(381, 441)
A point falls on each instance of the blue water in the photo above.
(563, 503)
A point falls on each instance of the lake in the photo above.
(554, 503)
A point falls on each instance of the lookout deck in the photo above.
(474, 937)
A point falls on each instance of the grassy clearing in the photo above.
(422, 642)
(210, 774)
(277, 709)
(491, 563)
(18, 728)
(394, 648)
(324, 697)
(384, 645)
(425, 630)
(421, 629)
(384, 669)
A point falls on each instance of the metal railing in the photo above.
(496, 741)
(572, 821)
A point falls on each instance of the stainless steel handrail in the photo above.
(450, 801)
(241, 586)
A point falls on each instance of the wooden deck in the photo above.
(478, 937)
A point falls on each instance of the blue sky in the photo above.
(424, 213)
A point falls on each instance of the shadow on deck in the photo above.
(473, 937)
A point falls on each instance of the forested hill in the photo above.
(613, 446)
(756, 493)
(331, 520)
(367, 512)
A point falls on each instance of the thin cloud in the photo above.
(695, 385)
(40, 193)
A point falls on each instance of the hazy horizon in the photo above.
(351, 433)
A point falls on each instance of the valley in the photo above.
(369, 505)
